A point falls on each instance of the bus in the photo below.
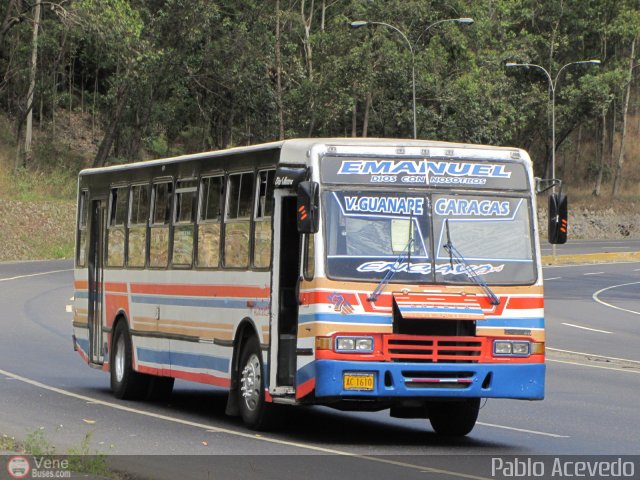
(360, 274)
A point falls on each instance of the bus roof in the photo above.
(293, 150)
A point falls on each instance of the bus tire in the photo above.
(454, 418)
(255, 411)
(126, 383)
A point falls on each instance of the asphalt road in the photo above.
(579, 247)
(593, 379)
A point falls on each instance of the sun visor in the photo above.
(438, 307)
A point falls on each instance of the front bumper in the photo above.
(424, 380)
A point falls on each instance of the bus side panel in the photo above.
(183, 323)
(80, 308)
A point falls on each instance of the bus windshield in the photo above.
(369, 233)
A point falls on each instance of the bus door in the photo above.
(96, 292)
(284, 294)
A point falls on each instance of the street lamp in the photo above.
(553, 83)
(364, 23)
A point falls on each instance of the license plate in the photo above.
(357, 381)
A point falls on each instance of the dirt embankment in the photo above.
(589, 224)
(36, 230)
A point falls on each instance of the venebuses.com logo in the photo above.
(18, 467)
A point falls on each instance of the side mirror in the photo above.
(558, 218)
(307, 213)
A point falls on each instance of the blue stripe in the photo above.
(513, 322)
(340, 318)
(181, 359)
(81, 294)
(200, 302)
(306, 373)
(83, 344)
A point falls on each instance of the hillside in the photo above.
(37, 206)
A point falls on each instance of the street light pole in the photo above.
(364, 23)
(553, 83)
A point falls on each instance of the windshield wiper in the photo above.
(390, 274)
(454, 254)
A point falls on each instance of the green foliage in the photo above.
(37, 443)
(164, 77)
(83, 460)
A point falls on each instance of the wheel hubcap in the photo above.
(250, 382)
(119, 359)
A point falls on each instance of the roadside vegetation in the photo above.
(101, 82)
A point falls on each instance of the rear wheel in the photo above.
(126, 383)
(454, 418)
(256, 413)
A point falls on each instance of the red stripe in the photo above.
(193, 377)
(187, 290)
(524, 303)
(305, 388)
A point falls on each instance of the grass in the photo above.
(81, 458)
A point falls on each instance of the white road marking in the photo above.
(552, 278)
(535, 432)
(593, 355)
(211, 428)
(35, 274)
(585, 328)
(593, 366)
(595, 297)
(636, 269)
(593, 273)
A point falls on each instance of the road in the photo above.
(593, 377)
(579, 247)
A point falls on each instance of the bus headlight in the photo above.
(354, 344)
(512, 348)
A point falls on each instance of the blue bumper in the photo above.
(522, 381)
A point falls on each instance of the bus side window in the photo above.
(238, 220)
(183, 222)
(209, 221)
(264, 213)
(309, 257)
(81, 249)
(118, 208)
(138, 220)
(159, 243)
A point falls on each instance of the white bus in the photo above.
(362, 274)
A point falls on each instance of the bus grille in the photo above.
(423, 349)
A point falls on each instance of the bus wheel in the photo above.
(126, 383)
(454, 419)
(253, 407)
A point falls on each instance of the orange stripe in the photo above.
(113, 287)
(187, 290)
(81, 285)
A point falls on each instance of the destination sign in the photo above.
(452, 173)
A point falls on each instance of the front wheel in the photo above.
(126, 383)
(454, 418)
(256, 413)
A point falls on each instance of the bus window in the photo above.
(159, 244)
(264, 213)
(309, 257)
(117, 217)
(238, 220)
(138, 219)
(183, 223)
(209, 221)
(81, 259)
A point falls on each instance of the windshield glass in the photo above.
(367, 235)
